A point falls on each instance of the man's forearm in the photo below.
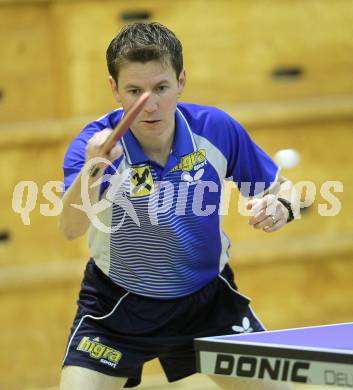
(74, 222)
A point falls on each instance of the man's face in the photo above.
(158, 116)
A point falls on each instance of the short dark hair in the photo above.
(143, 42)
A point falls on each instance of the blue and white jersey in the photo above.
(159, 233)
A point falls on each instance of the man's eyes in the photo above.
(159, 89)
(134, 91)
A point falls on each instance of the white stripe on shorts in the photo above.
(94, 318)
(244, 296)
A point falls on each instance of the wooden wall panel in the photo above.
(230, 52)
(86, 29)
(55, 61)
(301, 292)
(34, 332)
(233, 48)
(26, 77)
(34, 152)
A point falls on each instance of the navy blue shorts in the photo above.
(115, 332)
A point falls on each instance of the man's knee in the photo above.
(77, 378)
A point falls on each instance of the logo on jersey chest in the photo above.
(194, 160)
(141, 181)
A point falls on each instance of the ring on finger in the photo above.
(273, 219)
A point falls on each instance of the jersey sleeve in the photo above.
(248, 165)
(73, 161)
(75, 156)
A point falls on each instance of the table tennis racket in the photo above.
(125, 123)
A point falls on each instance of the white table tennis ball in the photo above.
(287, 158)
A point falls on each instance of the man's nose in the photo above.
(151, 104)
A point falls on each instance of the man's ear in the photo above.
(114, 88)
(181, 82)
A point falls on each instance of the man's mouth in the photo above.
(151, 121)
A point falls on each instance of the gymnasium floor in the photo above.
(195, 382)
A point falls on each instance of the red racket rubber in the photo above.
(125, 123)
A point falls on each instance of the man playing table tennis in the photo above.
(158, 276)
